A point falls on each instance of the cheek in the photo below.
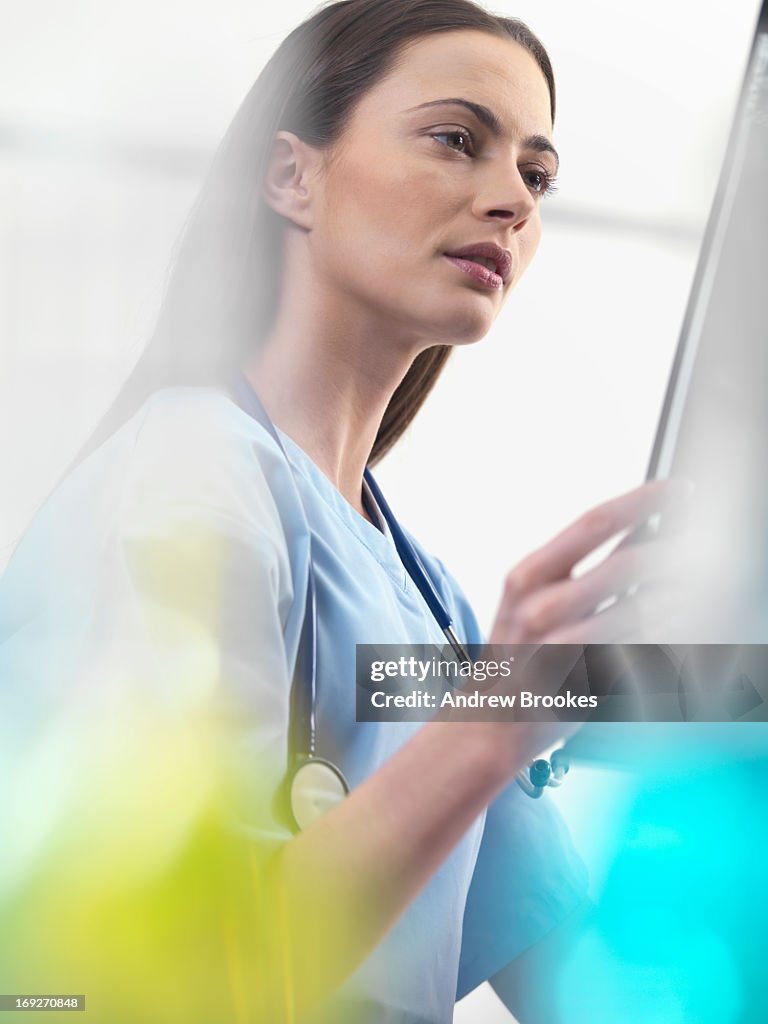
(528, 242)
(380, 212)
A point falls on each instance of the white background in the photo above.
(108, 115)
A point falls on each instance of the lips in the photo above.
(486, 255)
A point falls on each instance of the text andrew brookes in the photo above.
(474, 699)
(564, 682)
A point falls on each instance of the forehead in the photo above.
(473, 65)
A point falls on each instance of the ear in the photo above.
(291, 175)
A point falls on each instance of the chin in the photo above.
(468, 322)
(431, 320)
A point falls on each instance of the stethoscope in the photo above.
(314, 784)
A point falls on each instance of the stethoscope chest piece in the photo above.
(316, 787)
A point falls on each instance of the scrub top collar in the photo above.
(378, 539)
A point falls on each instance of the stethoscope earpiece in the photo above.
(541, 773)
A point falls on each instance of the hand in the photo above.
(543, 602)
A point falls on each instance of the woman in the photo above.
(372, 205)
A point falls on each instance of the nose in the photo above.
(504, 196)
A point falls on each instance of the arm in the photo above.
(339, 886)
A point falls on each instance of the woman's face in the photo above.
(451, 150)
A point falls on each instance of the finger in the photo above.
(571, 600)
(672, 521)
(646, 617)
(557, 558)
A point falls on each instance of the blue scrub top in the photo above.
(190, 468)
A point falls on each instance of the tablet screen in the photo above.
(714, 422)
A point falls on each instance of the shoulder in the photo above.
(193, 448)
(202, 414)
(188, 460)
(188, 442)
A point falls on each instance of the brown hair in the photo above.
(216, 305)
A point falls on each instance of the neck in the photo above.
(325, 375)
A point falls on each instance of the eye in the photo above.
(460, 140)
(540, 182)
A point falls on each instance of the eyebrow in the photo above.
(487, 117)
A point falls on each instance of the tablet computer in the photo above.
(713, 430)
(713, 427)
